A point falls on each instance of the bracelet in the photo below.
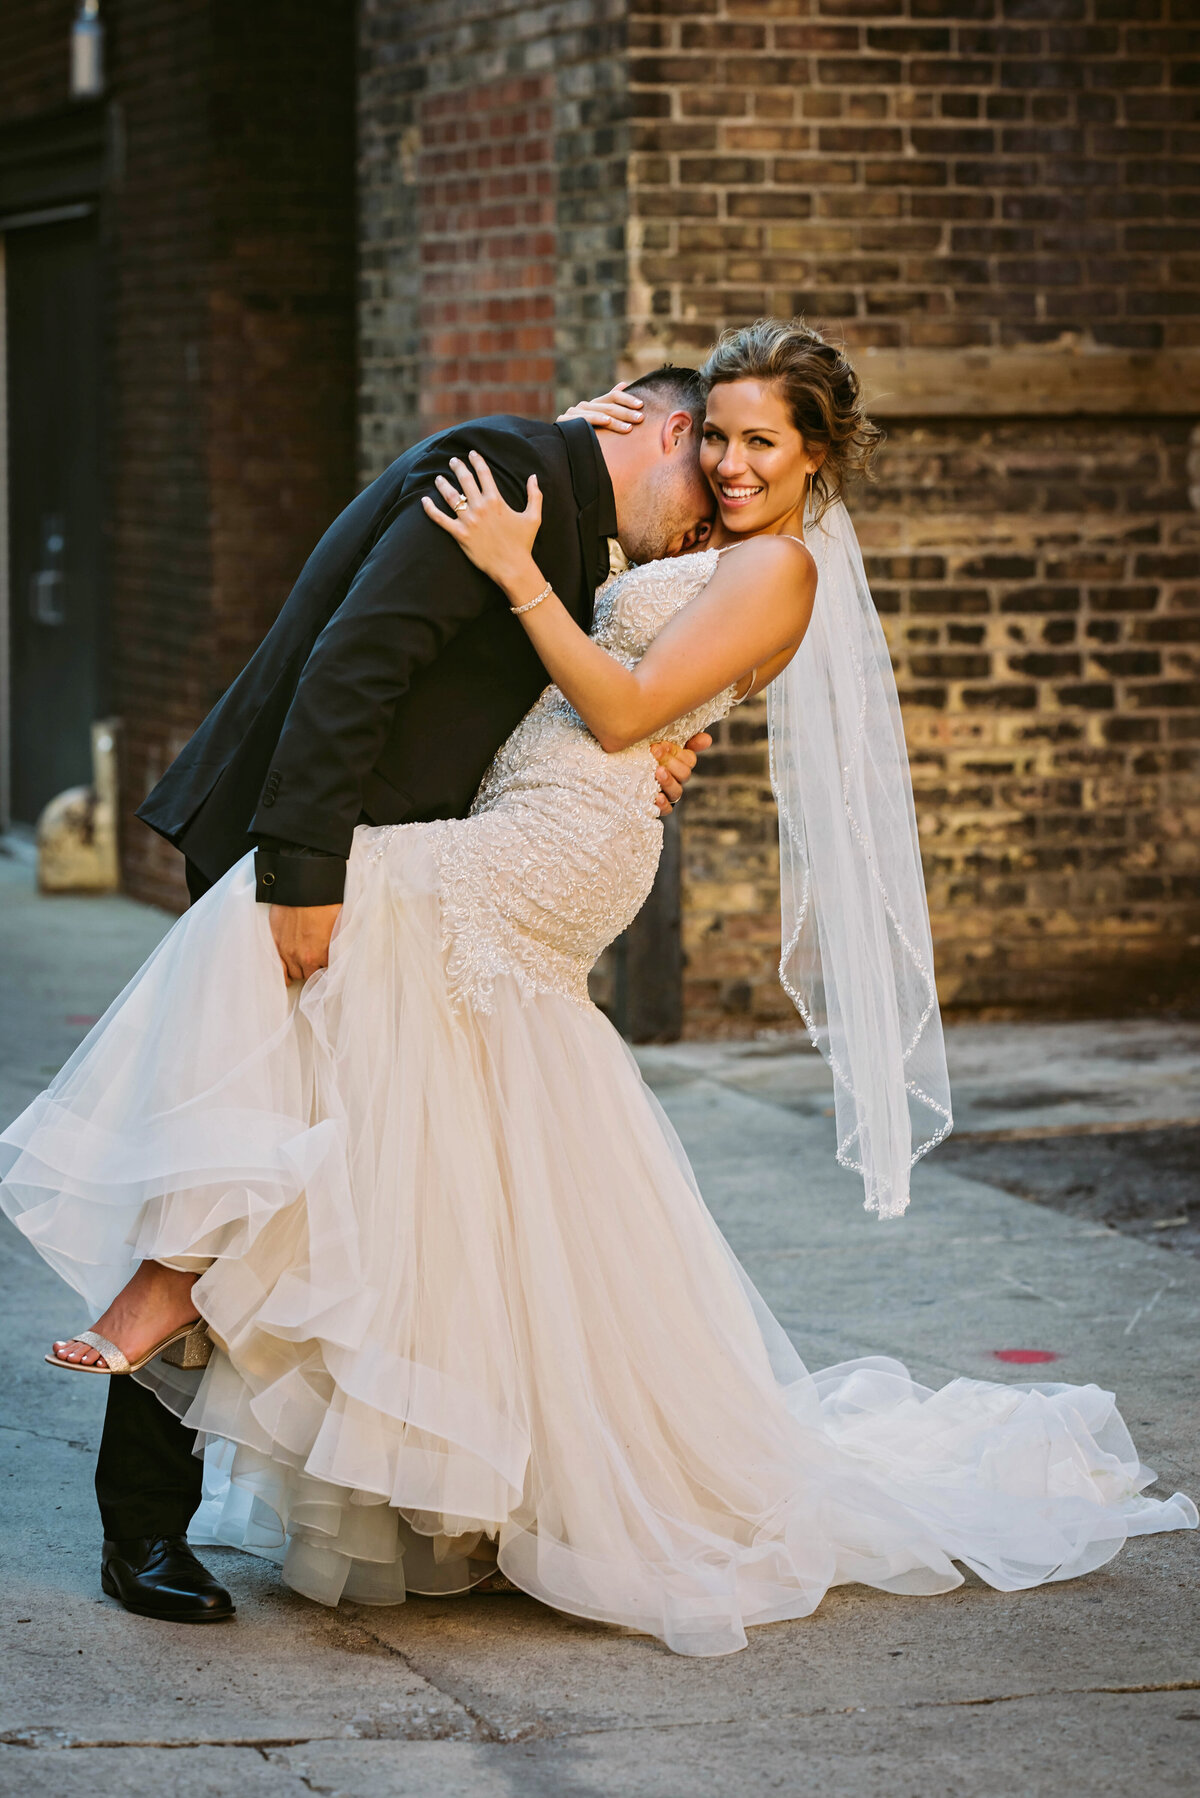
(545, 593)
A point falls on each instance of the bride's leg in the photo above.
(156, 1301)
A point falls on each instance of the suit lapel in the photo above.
(584, 457)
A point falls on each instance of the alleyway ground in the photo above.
(1087, 1688)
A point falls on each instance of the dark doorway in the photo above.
(56, 623)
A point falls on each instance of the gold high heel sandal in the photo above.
(188, 1346)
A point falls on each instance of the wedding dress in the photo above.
(470, 1302)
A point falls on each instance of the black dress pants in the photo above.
(147, 1478)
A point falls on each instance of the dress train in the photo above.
(472, 1307)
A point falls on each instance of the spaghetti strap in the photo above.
(788, 534)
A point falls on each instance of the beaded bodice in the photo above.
(562, 843)
(631, 610)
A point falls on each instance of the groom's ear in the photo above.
(678, 431)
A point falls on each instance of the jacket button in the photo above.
(268, 798)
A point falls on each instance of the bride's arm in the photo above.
(753, 612)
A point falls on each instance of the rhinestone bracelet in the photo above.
(545, 593)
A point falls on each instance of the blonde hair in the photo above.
(817, 383)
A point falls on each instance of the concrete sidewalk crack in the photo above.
(57, 1741)
(38, 1738)
(914, 1704)
(859, 1710)
(1173, 1685)
(485, 1729)
(20, 1429)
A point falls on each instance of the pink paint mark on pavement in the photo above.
(81, 1018)
(1024, 1357)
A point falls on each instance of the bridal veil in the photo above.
(857, 955)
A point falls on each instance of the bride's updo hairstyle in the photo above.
(819, 387)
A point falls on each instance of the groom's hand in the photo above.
(615, 410)
(675, 767)
(302, 934)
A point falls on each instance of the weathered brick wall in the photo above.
(154, 244)
(923, 177)
(1040, 587)
(492, 180)
(545, 192)
(158, 245)
(34, 61)
(1040, 591)
(487, 245)
(919, 172)
(231, 325)
(948, 179)
(228, 231)
(281, 303)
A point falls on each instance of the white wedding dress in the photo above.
(469, 1297)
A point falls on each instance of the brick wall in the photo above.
(231, 325)
(1040, 590)
(937, 181)
(281, 457)
(487, 245)
(545, 192)
(492, 181)
(228, 234)
(157, 252)
(921, 172)
(34, 58)
(1040, 587)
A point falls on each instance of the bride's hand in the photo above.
(496, 538)
(615, 410)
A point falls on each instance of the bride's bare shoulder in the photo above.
(780, 560)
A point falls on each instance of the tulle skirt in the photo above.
(471, 1307)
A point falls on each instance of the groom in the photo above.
(379, 696)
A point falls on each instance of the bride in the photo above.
(469, 1308)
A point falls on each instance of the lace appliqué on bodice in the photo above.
(631, 611)
(562, 844)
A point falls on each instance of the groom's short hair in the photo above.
(671, 389)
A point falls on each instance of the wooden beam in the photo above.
(1029, 383)
(1057, 381)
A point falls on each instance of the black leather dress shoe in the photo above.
(159, 1576)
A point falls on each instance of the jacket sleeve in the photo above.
(290, 874)
(412, 593)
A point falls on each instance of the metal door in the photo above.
(56, 627)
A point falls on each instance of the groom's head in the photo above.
(664, 504)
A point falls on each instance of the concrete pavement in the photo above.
(1088, 1687)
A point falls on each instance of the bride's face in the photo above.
(753, 457)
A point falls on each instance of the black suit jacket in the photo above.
(393, 672)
